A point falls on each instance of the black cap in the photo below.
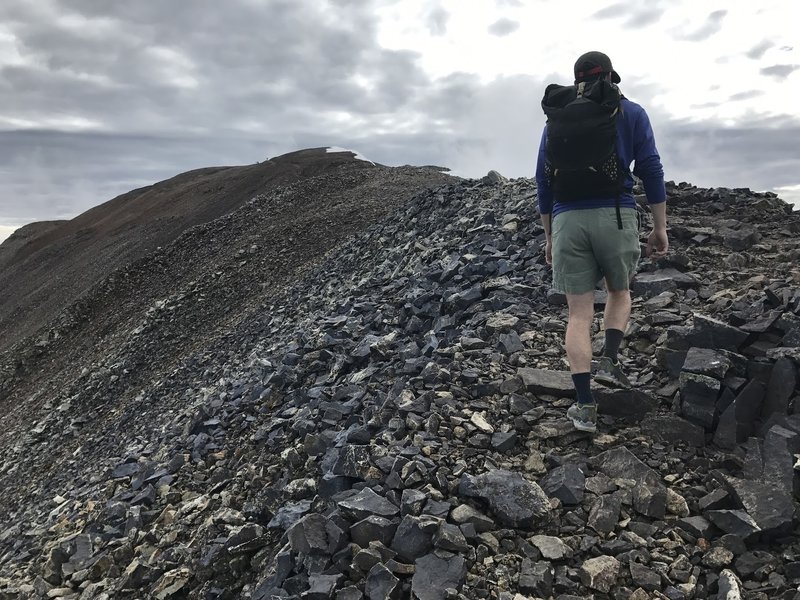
(593, 63)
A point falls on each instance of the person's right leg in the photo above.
(615, 320)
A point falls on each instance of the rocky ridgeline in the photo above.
(395, 427)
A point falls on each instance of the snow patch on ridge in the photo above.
(358, 155)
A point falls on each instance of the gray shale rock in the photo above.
(600, 573)
(433, 575)
(515, 501)
(566, 483)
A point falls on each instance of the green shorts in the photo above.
(588, 245)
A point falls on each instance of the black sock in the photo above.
(583, 382)
(613, 340)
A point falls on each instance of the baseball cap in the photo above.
(593, 63)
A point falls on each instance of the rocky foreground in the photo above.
(393, 426)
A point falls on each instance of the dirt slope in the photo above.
(47, 266)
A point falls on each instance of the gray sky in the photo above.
(97, 97)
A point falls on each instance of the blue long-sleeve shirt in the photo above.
(635, 144)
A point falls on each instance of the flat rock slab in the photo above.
(516, 501)
(650, 495)
(600, 573)
(434, 575)
(672, 428)
(567, 483)
(780, 389)
(771, 507)
(708, 332)
(623, 404)
(705, 361)
(367, 503)
(544, 381)
(552, 548)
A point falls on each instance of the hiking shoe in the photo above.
(584, 416)
(610, 373)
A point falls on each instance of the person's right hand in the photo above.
(548, 251)
(657, 243)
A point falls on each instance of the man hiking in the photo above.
(593, 135)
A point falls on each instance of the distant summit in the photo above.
(46, 266)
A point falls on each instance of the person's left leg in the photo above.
(617, 252)
(576, 273)
(579, 332)
(615, 320)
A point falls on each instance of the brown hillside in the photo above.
(46, 266)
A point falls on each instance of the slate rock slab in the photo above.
(515, 501)
(705, 361)
(566, 483)
(434, 575)
(671, 428)
(552, 548)
(367, 503)
(604, 514)
(650, 495)
(382, 584)
(544, 381)
(624, 404)
(770, 506)
(536, 578)
(600, 573)
(653, 284)
(782, 383)
(699, 395)
(708, 332)
(414, 536)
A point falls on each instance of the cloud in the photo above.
(635, 16)
(643, 17)
(503, 27)
(712, 25)
(106, 97)
(757, 51)
(746, 95)
(779, 71)
(150, 68)
(706, 105)
(437, 21)
(612, 11)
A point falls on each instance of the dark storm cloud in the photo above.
(503, 27)
(153, 67)
(225, 82)
(712, 25)
(757, 51)
(779, 71)
(437, 21)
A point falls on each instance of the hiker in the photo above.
(592, 136)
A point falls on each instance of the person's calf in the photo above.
(613, 342)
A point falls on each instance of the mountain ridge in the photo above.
(83, 250)
(388, 422)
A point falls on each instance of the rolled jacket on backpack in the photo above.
(635, 144)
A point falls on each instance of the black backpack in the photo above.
(580, 156)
